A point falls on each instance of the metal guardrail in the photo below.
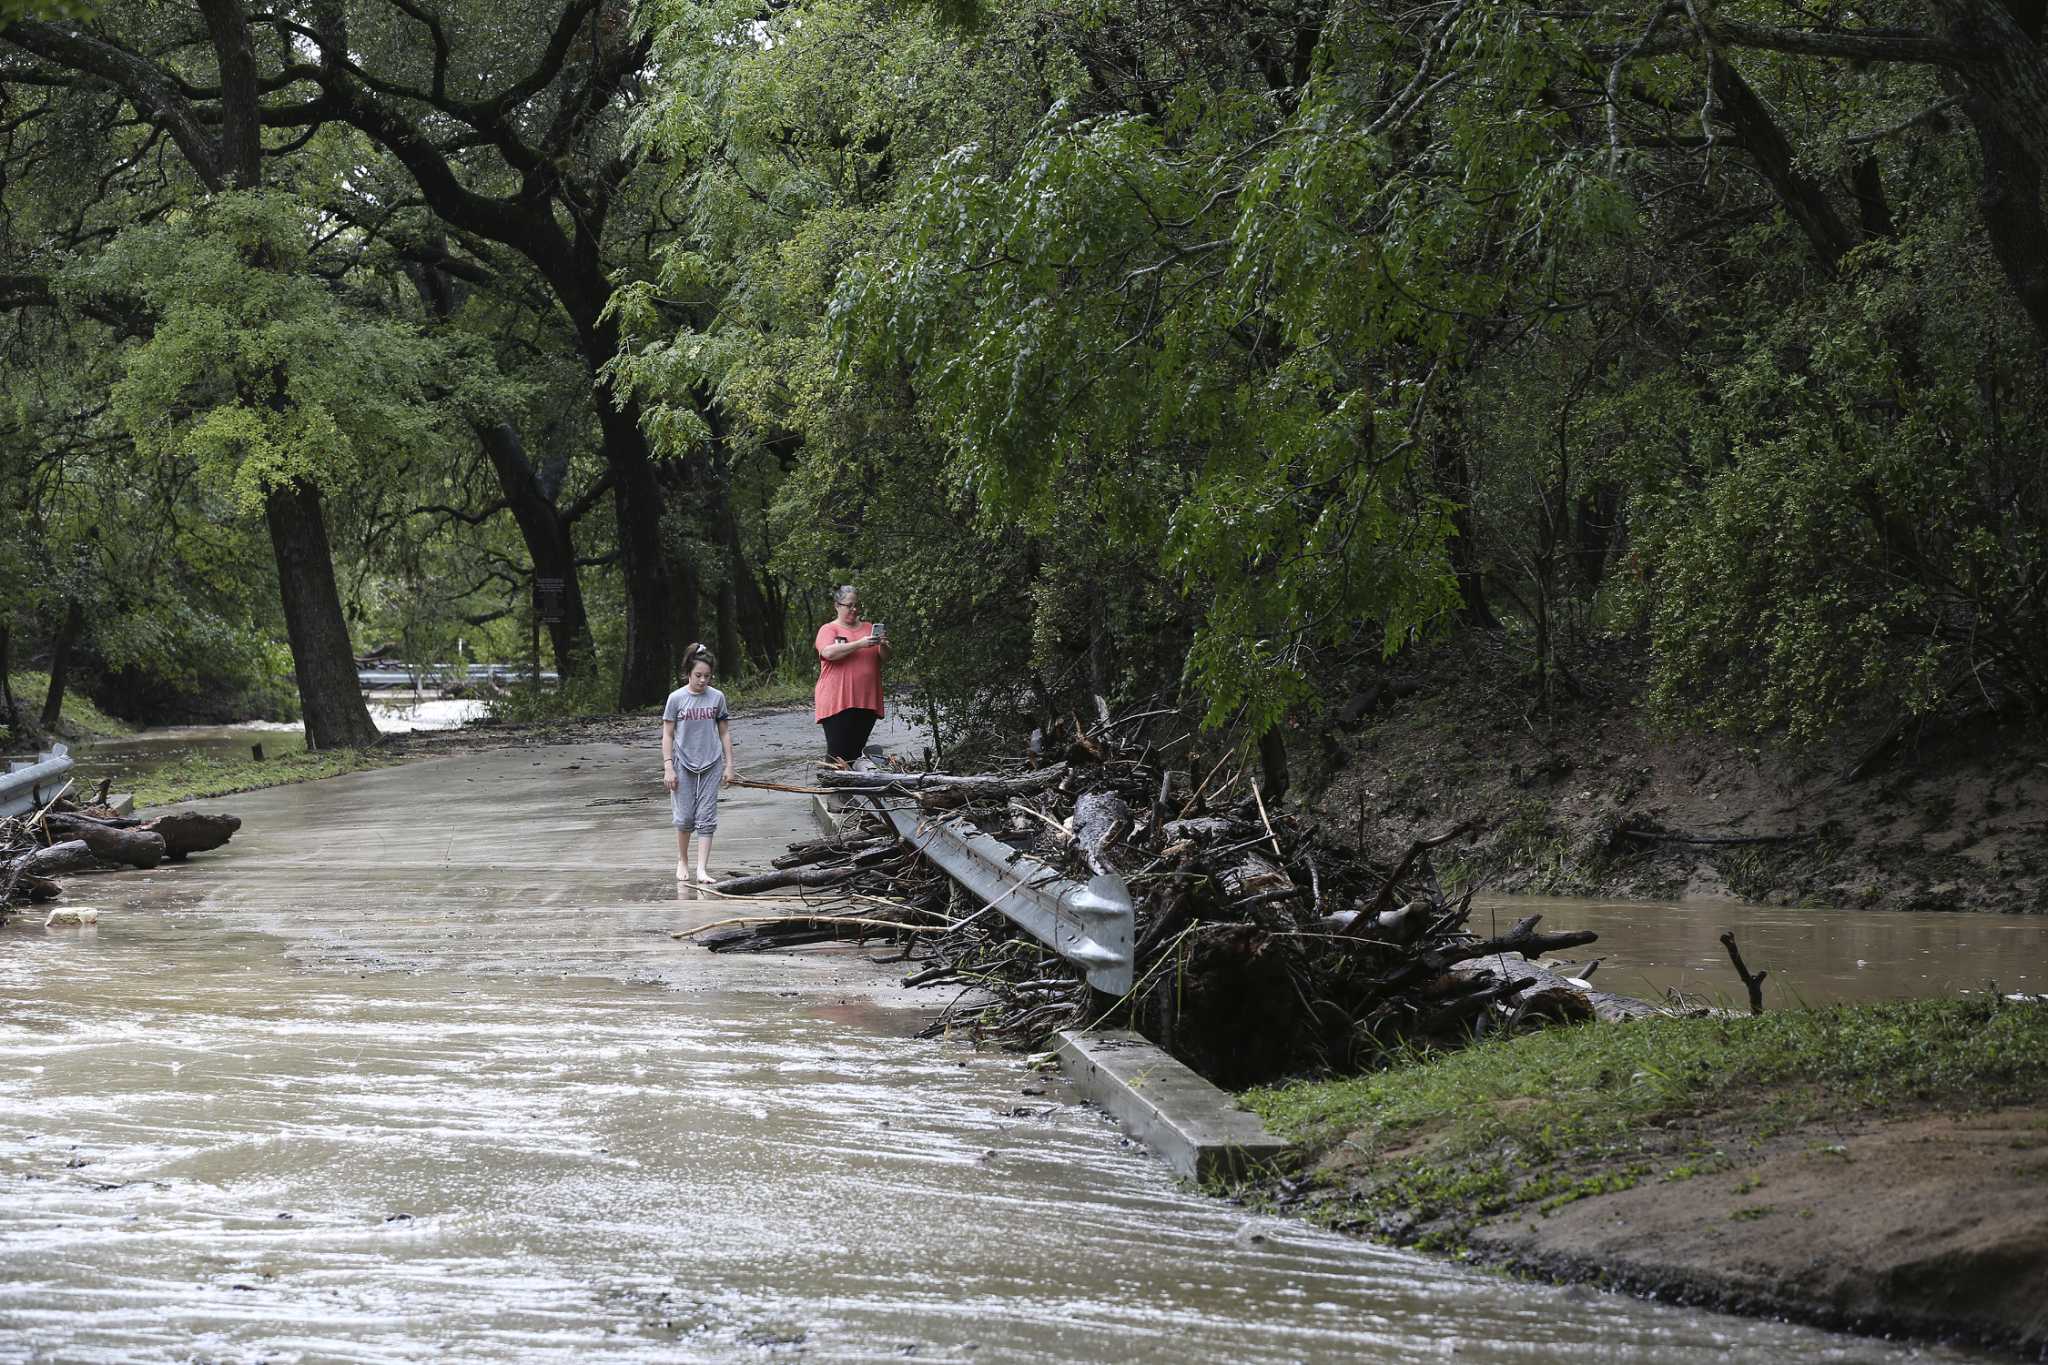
(1090, 925)
(18, 784)
(435, 675)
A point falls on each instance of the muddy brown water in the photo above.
(1813, 956)
(415, 1070)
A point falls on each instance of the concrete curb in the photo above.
(1195, 1128)
(827, 820)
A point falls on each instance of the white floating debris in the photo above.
(71, 915)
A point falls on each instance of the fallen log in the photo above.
(110, 843)
(38, 864)
(186, 832)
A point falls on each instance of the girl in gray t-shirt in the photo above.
(694, 737)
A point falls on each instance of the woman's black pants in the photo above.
(846, 734)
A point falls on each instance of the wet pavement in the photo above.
(414, 1069)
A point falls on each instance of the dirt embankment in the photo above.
(1588, 798)
(1933, 1226)
(1929, 1226)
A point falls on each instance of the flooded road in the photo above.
(414, 1070)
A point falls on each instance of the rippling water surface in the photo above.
(415, 1070)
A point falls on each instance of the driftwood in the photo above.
(1754, 984)
(830, 850)
(109, 842)
(1240, 969)
(1522, 939)
(1100, 819)
(187, 832)
(807, 876)
(1394, 879)
(38, 864)
(1548, 994)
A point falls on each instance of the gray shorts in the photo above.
(695, 799)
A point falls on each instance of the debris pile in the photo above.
(1263, 946)
(64, 836)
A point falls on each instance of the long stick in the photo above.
(810, 919)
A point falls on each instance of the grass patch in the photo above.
(80, 720)
(1555, 1116)
(199, 777)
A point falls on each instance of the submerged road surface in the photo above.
(414, 1070)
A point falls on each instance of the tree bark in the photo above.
(548, 543)
(636, 502)
(728, 622)
(60, 663)
(322, 657)
(1805, 201)
(2009, 195)
(110, 843)
(10, 717)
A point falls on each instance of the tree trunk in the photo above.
(321, 655)
(60, 663)
(728, 624)
(636, 501)
(1454, 481)
(1273, 763)
(10, 718)
(689, 609)
(548, 544)
(1805, 202)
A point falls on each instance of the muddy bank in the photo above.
(1927, 1226)
(1878, 1169)
(1590, 798)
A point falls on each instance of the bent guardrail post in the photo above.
(1089, 924)
(18, 784)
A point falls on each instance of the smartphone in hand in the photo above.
(881, 631)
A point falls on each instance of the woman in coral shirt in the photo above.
(848, 700)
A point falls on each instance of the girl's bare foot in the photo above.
(703, 875)
(682, 871)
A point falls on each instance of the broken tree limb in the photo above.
(1385, 898)
(826, 850)
(787, 877)
(870, 783)
(1754, 984)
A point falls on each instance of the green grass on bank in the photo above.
(198, 777)
(1554, 1116)
(81, 719)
